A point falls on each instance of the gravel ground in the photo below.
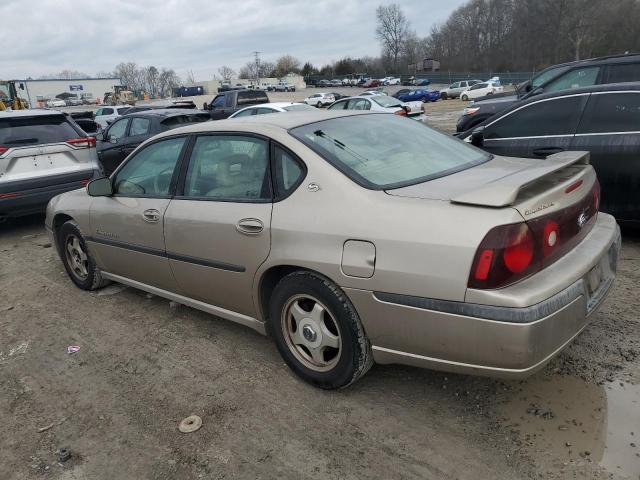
(144, 365)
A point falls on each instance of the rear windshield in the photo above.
(386, 101)
(381, 151)
(298, 106)
(173, 122)
(23, 131)
(250, 97)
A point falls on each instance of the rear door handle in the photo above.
(151, 215)
(250, 226)
(545, 152)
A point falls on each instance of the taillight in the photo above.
(3, 150)
(82, 142)
(401, 112)
(509, 253)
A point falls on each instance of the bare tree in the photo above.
(152, 80)
(287, 64)
(226, 73)
(190, 78)
(392, 30)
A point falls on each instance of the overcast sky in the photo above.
(197, 35)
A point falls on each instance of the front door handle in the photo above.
(151, 215)
(250, 226)
(545, 152)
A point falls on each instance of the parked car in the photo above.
(42, 153)
(598, 71)
(376, 103)
(320, 99)
(125, 134)
(370, 93)
(602, 120)
(227, 103)
(285, 87)
(55, 103)
(456, 88)
(313, 228)
(338, 96)
(371, 83)
(106, 115)
(480, 90)
(393, 81)
(73, 101)
(335, 83)
(323, 84)
(420, 95)
(278, 107)
(162, 105)
(422, 82)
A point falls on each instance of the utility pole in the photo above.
(257, 57)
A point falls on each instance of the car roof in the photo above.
(273, 104)
(610, 87)
(35, 112)
(283, 122)
(166, 112)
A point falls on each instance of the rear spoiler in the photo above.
(504, 191)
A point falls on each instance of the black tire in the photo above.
(92, 280)
(444, 96)
(353, 358)
(464, 98)
(319, 105)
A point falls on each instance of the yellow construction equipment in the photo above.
(119, 96)
(9, 96)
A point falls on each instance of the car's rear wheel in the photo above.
(444, 96)
(464, 98)
(319, 105)
(318, 332)
(78, 261)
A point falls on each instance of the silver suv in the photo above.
(455, 89)
(42, 153)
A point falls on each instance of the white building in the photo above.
(36, 92)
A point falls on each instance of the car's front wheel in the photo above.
(464, 98)
(78, 261)
(444, 96)
(318, 332)
(319, 105)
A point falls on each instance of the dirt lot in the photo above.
(144, 365)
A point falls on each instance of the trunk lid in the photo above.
(532, 187)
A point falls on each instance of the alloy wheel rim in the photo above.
(311, 333)
(76, 257)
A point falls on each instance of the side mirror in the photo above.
(99, 136)
(100, 187)
(477, 137)
(528, 88)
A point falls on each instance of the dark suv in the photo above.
(583, 73)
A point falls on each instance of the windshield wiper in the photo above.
(342, 146)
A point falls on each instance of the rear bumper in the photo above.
(26, 197)
(498, 341)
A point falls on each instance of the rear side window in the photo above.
(611, 112)
(218, 102)
(629, 72)
(289, 173)
(551, 117)
(107, 111)
(24, 131)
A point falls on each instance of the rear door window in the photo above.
(550, 117)
(611, 112)
(139, 126)
(627, 72)
(580, 77)
(37, 130)
(288, 174)
(229, 168)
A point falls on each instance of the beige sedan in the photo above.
(352, 238)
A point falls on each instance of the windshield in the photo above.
(380, 151)
(387, 102)
(547, 75)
